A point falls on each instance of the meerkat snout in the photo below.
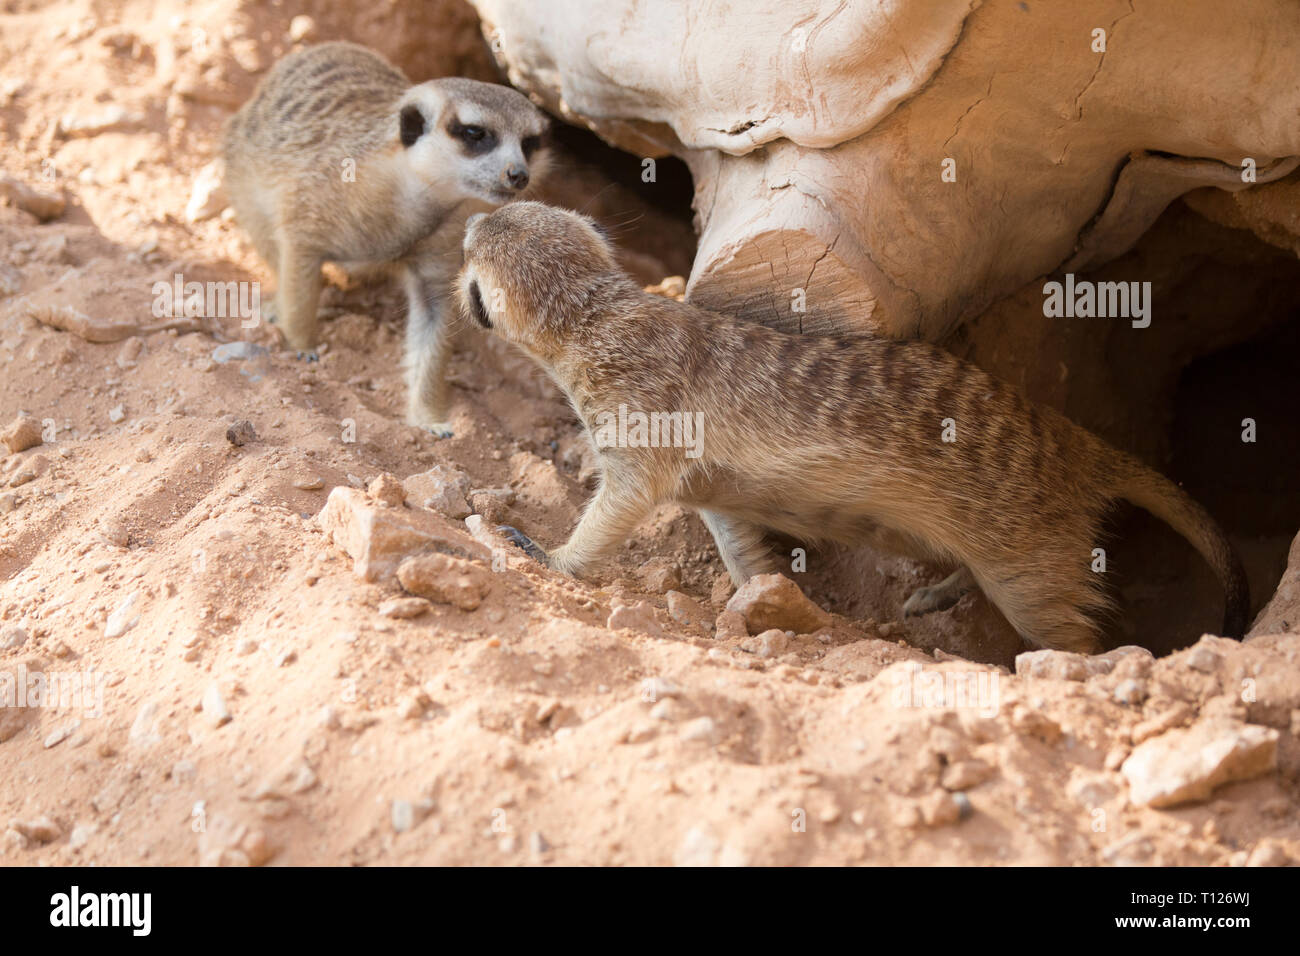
(516, 176)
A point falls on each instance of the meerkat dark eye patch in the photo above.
(412, 124)
(476, 307)
(476, 139)
(530, 145)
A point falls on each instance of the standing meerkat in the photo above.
(816, 437)
(337, 157)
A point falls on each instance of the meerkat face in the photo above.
(530, 272)
(473, 140)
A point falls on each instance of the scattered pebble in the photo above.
(730, 626)
(768, 644)
(701, 728)
(12, 638)
(637, 617)
(445, 580)
(404, 608)
(39, 830)
(657, 688)
(60, 734)
(110, 119)
(1201, 658)
(208, 195)
(214, 706)
(443, 489)
(22, 433)
(387, 490)
(406, 814)
(1131, 692)
(122, 620)
(774, 601)
(1060, 665)
(81, 835)
(237, 352)
(241, 432)
(1184, 766)
(44, 206)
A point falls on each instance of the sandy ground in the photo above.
(252, 698)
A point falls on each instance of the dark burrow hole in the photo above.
(652, 222)
(1169, 595)
(672, 190)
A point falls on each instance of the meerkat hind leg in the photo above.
(740, 545)
(428, 350)
(1055, 616)
(941, 596)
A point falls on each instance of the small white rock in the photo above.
(214, 706)
(701, 728)
(121, 621)
(81, 835)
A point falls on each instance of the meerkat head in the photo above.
(535, 273)
(471, 139)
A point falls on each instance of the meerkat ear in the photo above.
(412, 124)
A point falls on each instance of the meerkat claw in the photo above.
(926, 601)
(523, 543)
(939, 597)
(439, 430)
(308, 355)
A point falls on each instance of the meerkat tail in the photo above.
(1160, 496)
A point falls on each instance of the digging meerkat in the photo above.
(819, 438)
(338, 158)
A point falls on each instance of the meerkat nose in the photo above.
(516, 176)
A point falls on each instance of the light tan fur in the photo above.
(819, 438)
(337, 157)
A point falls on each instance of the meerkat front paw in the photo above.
(435, 428)
(308, 355)
(524, 543)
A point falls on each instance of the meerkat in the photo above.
(338, 157)
(822, 439)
